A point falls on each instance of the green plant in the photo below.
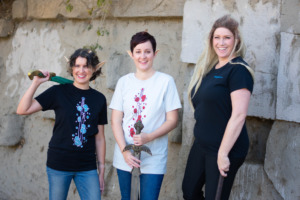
(100, 8)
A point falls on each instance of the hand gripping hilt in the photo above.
(137, 149)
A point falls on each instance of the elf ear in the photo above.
(129, 53)
(156, 52)
(66, 59)
(100, 65)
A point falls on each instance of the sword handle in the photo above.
(39, 74)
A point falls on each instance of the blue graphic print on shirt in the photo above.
(82, 116)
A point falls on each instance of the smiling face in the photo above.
(143, 56)
(223, 43)
(82, 73)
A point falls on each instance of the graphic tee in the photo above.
(77, 116)
(149, 101)
(213, 108)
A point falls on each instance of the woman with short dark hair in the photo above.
(151, 97)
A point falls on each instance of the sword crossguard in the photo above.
(138, 149)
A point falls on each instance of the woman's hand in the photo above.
(223, 164)
(101, 182)
(131, 160)
(38, 80)
(141, 139)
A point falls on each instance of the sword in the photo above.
(136, 172)
(219, 188)
(53, 77)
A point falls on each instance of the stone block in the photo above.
(188, 122)
(19, 9)
(175, 135)
(288, 81)
(56, 8)
(11, 130)
(258, 132)
(144, 8)
(290, 16)
(119, 65)
(263, 57)
(6, 27)
(282, 159)
(251, 182)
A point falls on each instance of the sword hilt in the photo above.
(39, 74)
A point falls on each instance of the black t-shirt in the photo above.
(213, 108)
(77, 116)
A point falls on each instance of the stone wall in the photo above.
(39, 33)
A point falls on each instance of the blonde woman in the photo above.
(219, 92)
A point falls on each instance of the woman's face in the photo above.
(82, 73)
(143, 56)
(223, 42)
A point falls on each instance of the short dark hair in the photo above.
(91, 61)
(142, 37)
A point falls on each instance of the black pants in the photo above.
(203, 169)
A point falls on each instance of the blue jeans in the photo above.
(149, 185)
(87, 184)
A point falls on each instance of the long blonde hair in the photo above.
(209, 58)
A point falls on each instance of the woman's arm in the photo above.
(165, 128)
(240, 101)
(28, 105)
(116, 123)
(101, 150)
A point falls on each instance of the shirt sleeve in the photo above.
(103, 113)
(171, 97)
(47, 98)
(240, 78)
(117, 99)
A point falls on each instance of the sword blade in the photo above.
(135, 181)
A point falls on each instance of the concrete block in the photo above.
(144, 8)
(258, 132)
(290, 16)
(6, 27)
(188, 122)
(288, 81)
(175, 135)
(282, 159)
(19, 9)
(251, 182)
(11, 130)
(119, 64)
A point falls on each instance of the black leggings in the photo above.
(202, 169)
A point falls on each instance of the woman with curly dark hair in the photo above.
(78, 134)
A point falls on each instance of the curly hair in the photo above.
(91, 59)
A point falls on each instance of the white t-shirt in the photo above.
(148, 100)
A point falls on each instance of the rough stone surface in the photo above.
(176, 134)
(282, 161)
(288, 82)
(259, 19)
(144, 8)
(11, 132)
(290, 16)
(6, 27)
(118, 67)
(19, 9)
(252, 183)
(258, 132)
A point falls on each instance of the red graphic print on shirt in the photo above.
(137, 110)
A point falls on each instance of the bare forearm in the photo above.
(164, 129)
(119, 135)
(232, 132)
(101, 151)
(27, 100)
